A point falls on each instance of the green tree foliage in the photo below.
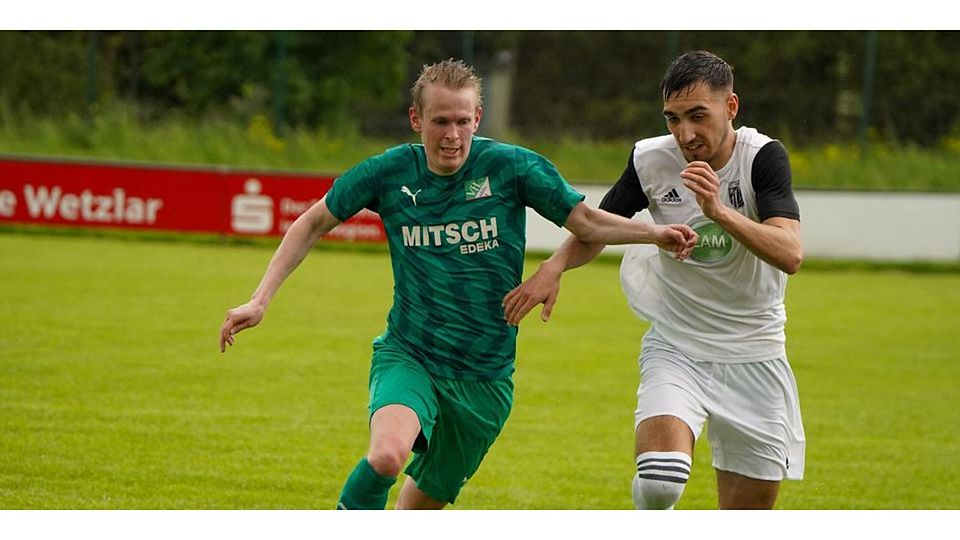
(196, 71)
(918, 85)
(329, 78)
(338, 78)
(806, 87)
(589, 84)
(43, 71)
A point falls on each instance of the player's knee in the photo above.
(387, 460)
(651, 494)
(660, 479)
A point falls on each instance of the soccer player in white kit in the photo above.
(715, 351)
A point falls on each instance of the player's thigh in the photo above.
(664, 433)
(472, 415)
(393, 430)
(670, 412)
(398, 379)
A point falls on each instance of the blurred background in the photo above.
(325, 99)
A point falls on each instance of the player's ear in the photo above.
(476, 119)
(415, 123)
(733, 106)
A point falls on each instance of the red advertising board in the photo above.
(162, 198)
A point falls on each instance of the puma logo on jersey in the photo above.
(406, 191)
(672, 197)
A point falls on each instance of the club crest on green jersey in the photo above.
(714, 243)
(477, 188)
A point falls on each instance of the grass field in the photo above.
(113, 393)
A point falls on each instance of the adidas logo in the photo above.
(672, 197)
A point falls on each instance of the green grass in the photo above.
(116, 134)
(113, 393)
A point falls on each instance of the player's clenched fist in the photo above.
(679, 239)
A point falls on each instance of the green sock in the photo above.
(366, 489)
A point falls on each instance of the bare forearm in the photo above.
(592, 230)
(573, 253)
(776, 240)
(594, 226)
(607, 228)
(305, 231)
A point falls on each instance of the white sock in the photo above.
(660, 479)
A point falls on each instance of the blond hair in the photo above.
(452, 74)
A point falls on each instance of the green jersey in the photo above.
(456, 244)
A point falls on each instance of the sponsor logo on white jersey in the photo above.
(714, 243)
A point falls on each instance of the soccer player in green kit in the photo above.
(454, 209)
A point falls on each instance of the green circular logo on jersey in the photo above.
(713, 244)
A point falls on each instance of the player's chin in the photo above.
(451, 162)
(698, 154)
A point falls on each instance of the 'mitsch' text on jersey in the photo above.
(471, 236)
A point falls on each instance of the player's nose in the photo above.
(685, 133)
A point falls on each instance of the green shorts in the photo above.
(459, 420)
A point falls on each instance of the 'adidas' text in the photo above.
(672, 197)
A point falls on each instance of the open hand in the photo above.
(239, 318)
(540, 288)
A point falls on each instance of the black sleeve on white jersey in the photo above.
(626, 197)
(772, 183)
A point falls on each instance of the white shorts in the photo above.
(753, 408)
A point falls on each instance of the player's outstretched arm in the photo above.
(593, 230)
(302, 235)
(593, 225)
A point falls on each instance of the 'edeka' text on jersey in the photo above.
(471, 236)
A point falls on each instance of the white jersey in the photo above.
(722, 304)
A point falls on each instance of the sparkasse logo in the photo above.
(251, 212)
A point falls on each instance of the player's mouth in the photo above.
(449, 151)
